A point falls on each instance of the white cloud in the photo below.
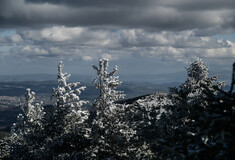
(16, 38)
(89, 45)
(107, 56)
(40, 51)
(30, 52)
(55, 33)
(26, 49)
(87, 58)
(61, 33)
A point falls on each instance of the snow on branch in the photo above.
(64, 92)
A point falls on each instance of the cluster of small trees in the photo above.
(193, 121)
(68, 131)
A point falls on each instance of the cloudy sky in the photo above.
(148, 37)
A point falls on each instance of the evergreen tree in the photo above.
(110, 128)
(106, 83)
(25, 141)
(185, 124)
(66, 128)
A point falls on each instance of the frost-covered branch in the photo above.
(64, 93)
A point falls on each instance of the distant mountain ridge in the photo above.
(178, 77)
(39, 77)
(154, 78)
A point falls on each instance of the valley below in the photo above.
(12, 95)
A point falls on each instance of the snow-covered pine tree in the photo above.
(182, 124)
(25, 141)
(68, 134)
(211, 116)
(198, 85)
(107, 84)
(111, 130)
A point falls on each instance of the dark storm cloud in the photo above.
(148, 14)
(201, 4)
(96, 3)
(179, 4)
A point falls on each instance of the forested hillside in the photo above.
(195, 120)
